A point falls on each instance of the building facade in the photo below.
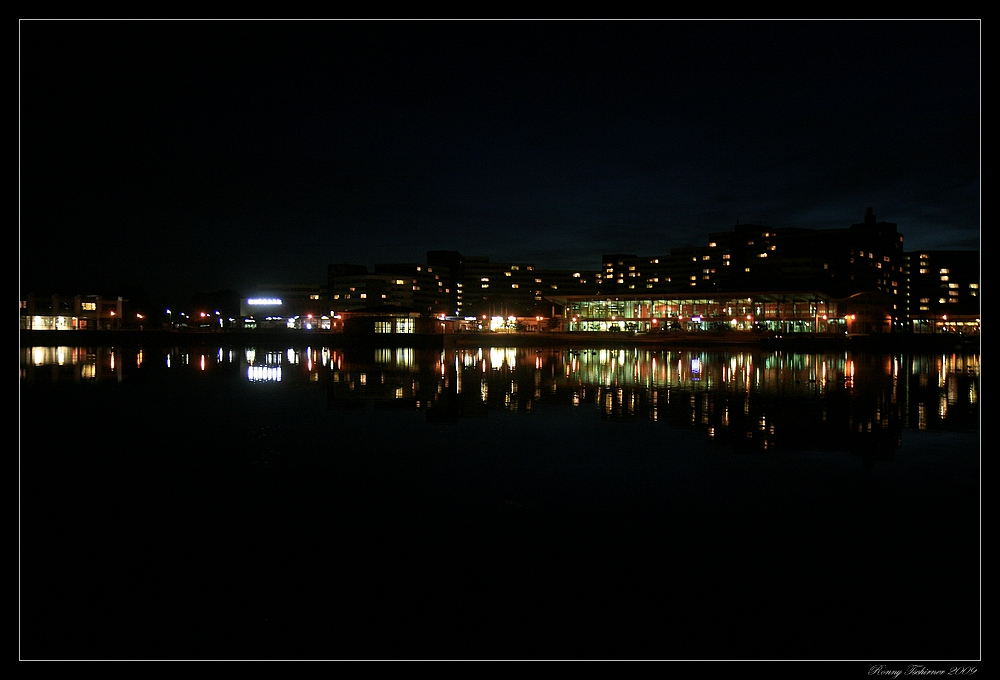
(76, 312)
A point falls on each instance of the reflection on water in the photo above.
(312, 502)
(753, 401)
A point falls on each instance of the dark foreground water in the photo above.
(274, 503)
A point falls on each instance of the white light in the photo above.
(264, 301)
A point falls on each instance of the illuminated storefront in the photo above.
(772, 312)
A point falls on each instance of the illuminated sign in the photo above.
(264, 301)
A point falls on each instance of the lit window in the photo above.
(943, 271)
(944, 278)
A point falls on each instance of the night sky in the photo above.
(182, 156)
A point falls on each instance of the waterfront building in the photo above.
(854, 280)
(70, 312)
(943, 291)
(755, 277)
(282, 305)
(772, 312)
(426, 288)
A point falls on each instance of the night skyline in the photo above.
(183, 156)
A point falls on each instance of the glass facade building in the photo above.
(772, 312)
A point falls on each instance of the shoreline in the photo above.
(897, 342)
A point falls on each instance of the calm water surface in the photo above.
(310, 502)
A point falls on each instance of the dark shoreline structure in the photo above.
(894, 342)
